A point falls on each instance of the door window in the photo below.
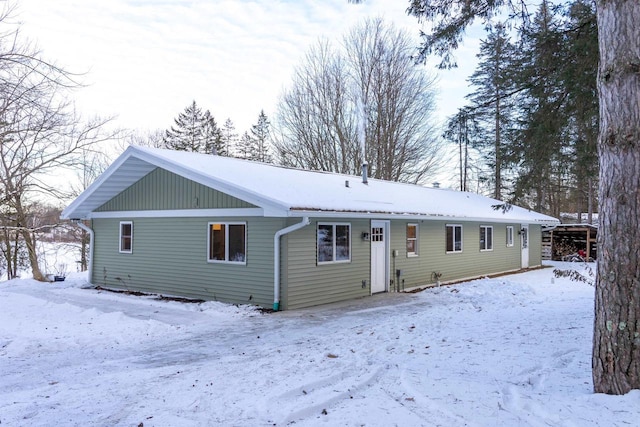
(377, 234)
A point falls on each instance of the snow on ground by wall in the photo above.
(510, 351)
(55, 259)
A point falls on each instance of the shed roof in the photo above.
(282, 191)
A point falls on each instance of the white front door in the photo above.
(524, 239)
(379, 256)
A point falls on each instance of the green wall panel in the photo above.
(308, 283)
(170, 257)
(432, 256)
(162, 190)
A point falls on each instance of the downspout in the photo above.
(276, 258)
(79, 223)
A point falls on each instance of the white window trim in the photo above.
(334, 224)
(487, 227)
(125, 251)
(417, 240)
(226, 243)
(454, 238)
(510, 230)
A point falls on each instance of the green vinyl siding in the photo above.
(169, 257)
(162, 190)
(307, 283)
(432, 256)
(535, 245)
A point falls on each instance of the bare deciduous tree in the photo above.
(373, 81)
(315, 116)
(148, 138)
(40, 134)
(92, 163)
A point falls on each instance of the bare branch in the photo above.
(317, 125)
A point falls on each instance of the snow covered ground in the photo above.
(56, 259)
(510, 351)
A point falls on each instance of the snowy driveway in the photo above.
(510, 351)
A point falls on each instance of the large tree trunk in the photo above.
(30, 243)
(28, 237)
(616, 340)
(83, 250)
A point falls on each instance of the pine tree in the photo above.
(579, 79)
(616, 346)
(544, 162)
(260, 137)
(229, 138)
(491, 101)
(245, 147)
(464, 131)
(194, 130)
(212, 136)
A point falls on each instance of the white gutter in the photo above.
(276, 258)
(91, 239)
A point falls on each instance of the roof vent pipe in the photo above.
(364, 173)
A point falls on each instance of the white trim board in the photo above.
(295, 213)
(181, 213)
(268, 213)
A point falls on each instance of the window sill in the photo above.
(333, 262)
(215, 261)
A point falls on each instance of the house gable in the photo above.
(164, 190)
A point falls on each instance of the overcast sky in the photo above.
(146, 60)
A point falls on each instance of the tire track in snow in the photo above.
(310, 399)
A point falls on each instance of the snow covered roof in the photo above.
(291, 192)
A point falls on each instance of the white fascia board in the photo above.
(67, 213)
(181, 213)
(416, 217)
(217, 184)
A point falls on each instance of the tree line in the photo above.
(529, 131)
(196, 130)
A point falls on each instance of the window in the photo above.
(126, 237)
(412, 239)
(486, 238)
(509, 235)
(377, 234)
(454, 238)
(228, 242)
(334, 243)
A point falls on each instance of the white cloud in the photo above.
(146, 60)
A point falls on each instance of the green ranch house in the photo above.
(218, 228)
